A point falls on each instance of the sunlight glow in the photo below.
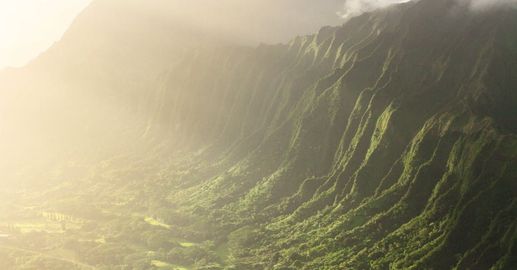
(28, 27)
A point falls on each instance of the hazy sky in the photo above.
(355, 7)
(28, 27)
(484, 4)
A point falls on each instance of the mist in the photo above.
(479, 5)
(356, 7)
(250, 135)
(252, 21)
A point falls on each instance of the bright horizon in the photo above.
(29, 27)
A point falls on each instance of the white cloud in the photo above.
(354, 8)
(357, 7)
(488, 4)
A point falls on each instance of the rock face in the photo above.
(387, 143)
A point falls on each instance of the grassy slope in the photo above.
(385, 143)
(379, 144)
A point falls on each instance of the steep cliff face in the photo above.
(388, 142)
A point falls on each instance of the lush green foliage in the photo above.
(387, 143)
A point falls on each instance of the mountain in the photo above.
(386, 143)
(116, 50)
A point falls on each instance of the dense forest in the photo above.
(389, 142)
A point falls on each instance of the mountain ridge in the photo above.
(386, 143)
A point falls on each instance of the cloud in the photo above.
(354, 8)
(478, 5)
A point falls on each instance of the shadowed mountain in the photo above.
(386, 143)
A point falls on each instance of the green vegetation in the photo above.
(154, 222)
(387, 143)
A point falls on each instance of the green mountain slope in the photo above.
(386, 143)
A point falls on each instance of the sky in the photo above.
(487, 4)
(356, 7)
(28, 27)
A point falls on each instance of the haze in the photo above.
(28, 27)
(250, 135)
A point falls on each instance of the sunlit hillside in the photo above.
(252, 135)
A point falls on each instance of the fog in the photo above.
(480, 5)
(251, 21)
(28, 27)
(353, 8)
(141, 103)
(114, 49)
(356, 7)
